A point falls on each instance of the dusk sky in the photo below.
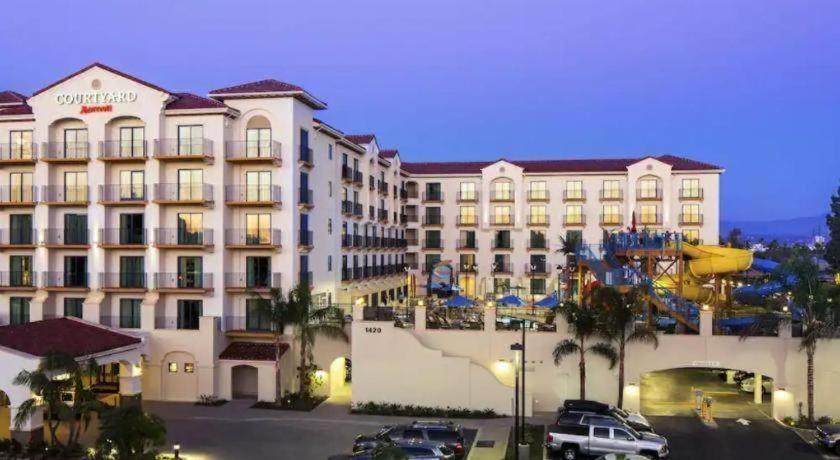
(751, 85)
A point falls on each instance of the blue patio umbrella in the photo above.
(513, 300)
(549, 301)
(459, 301)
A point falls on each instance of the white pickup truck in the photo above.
(571, 441)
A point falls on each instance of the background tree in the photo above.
(274, 312)
(584, 326)
(832, 221)
(128, 433)
(618, 324)
(734, 238)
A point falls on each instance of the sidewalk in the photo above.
(499, 435)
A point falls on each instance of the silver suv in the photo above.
(573, 441)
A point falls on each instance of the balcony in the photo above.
(467, 197)
(179, 238)
(306, 157)
(382, 215)
(574, 195)
(648, 194)
(501, 219)
(21, 239)
(501, 196)
(412, 218)
(65, 195)
(117, 238)
(123, 195)
(691, 194)
(611, 194)
(432, 197)
(433, 220)
(433, 244)
(17, 196)
(538, 220)
(691, 219)
(184, 194)
(403, 194)
(66, 152)
(358, 179)
(538, 195)
(574, 220)
(66, 281)
(346, 174)
(650, 219)
(467, 244)
(184, 283)
(125, 282)
(371, 183)
(382, 187)
(502, 268)
(18, 154)
(358, 241)
(412, 242)
(502, 244)
(18, 281)
(467, 221)
(611, 220)
(305, 240)
(123, 151)
(251, 282)
(537, 270)
(537, 244)
(61, 238)
(306, 278)
(252, 195)
(346, 241)
(253, 152)
(347, 208)
(198, 149)
(257, 238)
(358, 211)
(469, 268)
(306, 199)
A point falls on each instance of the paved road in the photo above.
(669, 393)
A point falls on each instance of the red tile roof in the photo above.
(360, 139)
(388, 153)
(267, 87)
(16, 110)
(11, 97)
(553, 166)
(252, 351)
(104, 67)
(189, 101)
(68, 335)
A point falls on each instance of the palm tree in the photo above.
(58, 375)
(274, 313)
(310, 322)
(127, 433)
(618, 324)
(584, 326)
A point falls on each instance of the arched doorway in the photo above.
(179, 378)
(244, 382)
(341, 377)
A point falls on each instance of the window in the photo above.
(19, 310)
(190, 228)
(650, 214)
(189, 312)
(537, 286)
(329, 263)
(599, 432)
(538, 215)
(76, 229)
(611, 190)
(131, 185)
(574, 190)
(20, 271)
(431, 261)
(305, 154)
(132, 143)
(75, 186)
(537, 240)
(691, 236)
(691, 214)
(468, 239)
(73, 307)
(258, 272)
(574, 214)
(574, 238)
(189, 368)
(538, 263)
(20, 187)
(502, 239)
(610, 215)
(257, 315)
(466, 191)
(691, 189)
(20, 145)
(467, 215)
(130, 313)
(258, 228)
(502, 215)
(622, 435)
(20, 226)
(538, 190)
(467, 262)
(191, 140)
(190, 184)
(433, 239)
(190, 272)
(131, 228)
(433, 191)
(75, 271)
(132, 272)
(330, 151)
(258, 142)
(649, 188)
(258, 186)
(172, 367)
(501, 285)
(433, 216)
(503, 190)
(75, 143)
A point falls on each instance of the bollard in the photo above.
(524, 451)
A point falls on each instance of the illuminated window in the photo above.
(467, 215)
(538, 190)
(611, 190)
(650, 214)
(173, 368)
(690, 188)
(20, 145)
(574, 190)
(189, 368)
(502, 215)
(610, 215)
(649, 188)
(574, 214)
(538, 215)
(503, 190)
(691, 214)
(691, 236)
(467, 191)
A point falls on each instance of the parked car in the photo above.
(748, 385)
(441, 431)
(412, 448)
(828, 436)
(574, 407)
(573, 441)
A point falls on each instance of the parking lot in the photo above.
(669, 393)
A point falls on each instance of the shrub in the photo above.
(789, 421)
(824, 420)
(210, 400)
(410, 410)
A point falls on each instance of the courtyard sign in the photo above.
(95, 97)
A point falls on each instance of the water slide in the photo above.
(756, 294)
(703, 262)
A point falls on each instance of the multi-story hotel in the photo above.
(156, 213)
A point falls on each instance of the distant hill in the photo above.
(797, 229)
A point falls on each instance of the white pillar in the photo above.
(758, 388)
(420, 318)
(490, 319)
(707, 318)
(730, 377)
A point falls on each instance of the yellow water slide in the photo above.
(701, 263)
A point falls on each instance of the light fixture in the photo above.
(176, 449)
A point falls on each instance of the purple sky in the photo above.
(753, 85)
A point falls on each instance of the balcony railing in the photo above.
(502, 243)
(358, 211)
(504, 268)
(358, 178)
(306, 198)
(305, 239)
(118, 237)
(346, 173)
(501, 219)
(691, 193)
(69, 195)
(66, 237)
(501, 195)
(382, 214)
(18, 195)
(608, 220)
(432, 197)
(691, 219)
(347, 207)
(184, 149)
(18, 153)
(432, 219)
(574, 219)
(66, 152)
(468, 268)
(253, 151)
(382, 187)
(574, 195)
(412, 241)
(74, 280)
(538, 195)
(650, 219)
(611, 194)
(537, 243)
(177, 281)
(403, 194)
(432, 244)
(537, 219)
(412, 218)
(252, 281)
(123, 280)
(18, 279)
(128, 194)
(183, 193)
(648, 194)
(19, 238)
(306, 156)
(119, 150)
(467, 197)
(180, 238)
(252, 195)
(467, 244)
(244, 238)
(467, 220)
(538, 269)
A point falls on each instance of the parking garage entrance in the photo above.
(671, 392)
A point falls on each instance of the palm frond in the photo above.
(564, 348)
(644, 334)
(605, 350)
(24, 412)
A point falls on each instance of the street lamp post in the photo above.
(518, 435)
